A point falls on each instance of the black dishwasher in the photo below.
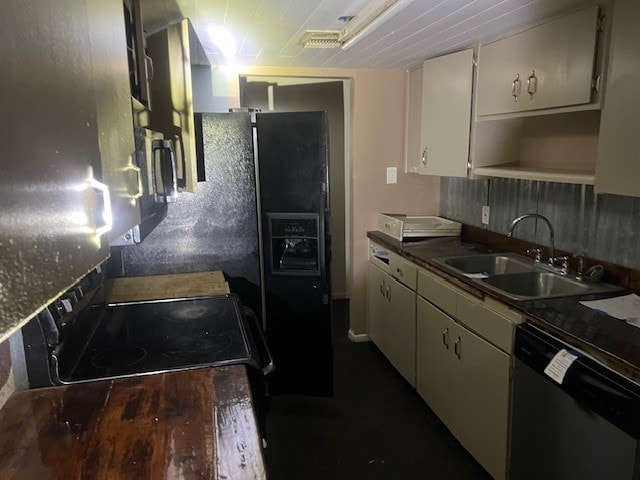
(585, 428)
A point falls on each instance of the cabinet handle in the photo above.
(516, 87)
(399, 271)
(424, 156)
(532, 84)
(382, 288)
(388, 292)
(138, 182)
(456, 348)
(104, 215)
(165, 171)
(445, 337)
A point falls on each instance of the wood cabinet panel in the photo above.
(618, 161)
(391, 320)
(434, 365)
(437, 291)
(447, 84)
(405, 271)
(399, 330)
(376, 303)
(482, 397)
(553, 61)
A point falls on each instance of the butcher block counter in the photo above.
(179, 425)
(159, 287)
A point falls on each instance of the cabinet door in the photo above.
(172, 95)
(376, 303)
(53, 213)
(446, 114)
(399, 329)
(113, 108)
(482, 376)
(435, 380)
(412, 150)
(618, 163)
(554, 61)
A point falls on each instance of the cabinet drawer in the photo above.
(489, 319)
(405, 271)
(379, 256)
(437, 291)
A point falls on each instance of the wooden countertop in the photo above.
(179, 425)
(160, 287)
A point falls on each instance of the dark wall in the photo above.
(215, 228)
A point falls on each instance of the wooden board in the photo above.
(158, 287)
(190, 424)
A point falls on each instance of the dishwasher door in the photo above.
(587, 428)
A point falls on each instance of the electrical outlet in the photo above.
(392, 174)
(485, 214)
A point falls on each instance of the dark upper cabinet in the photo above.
(110, 73)
(66, 133)
(172, 51)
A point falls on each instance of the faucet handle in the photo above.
(580, 259)
(537, 252)
(565, 264)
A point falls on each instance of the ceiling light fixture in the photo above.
(375, 14)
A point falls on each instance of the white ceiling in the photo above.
(266, 32)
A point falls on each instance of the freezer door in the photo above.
(293, 184)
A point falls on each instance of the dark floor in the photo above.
(376, 427)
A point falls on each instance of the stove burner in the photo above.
(196, 345)
(124, 355)
(192, 311)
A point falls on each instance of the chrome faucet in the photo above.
(551, 236)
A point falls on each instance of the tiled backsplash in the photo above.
(605, 227)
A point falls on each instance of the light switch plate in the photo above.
(485, 214)
(392, 174)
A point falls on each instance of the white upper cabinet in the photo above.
(447, 84)
(618, 160)
(412, 150)
(548, 66)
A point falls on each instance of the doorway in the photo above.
(292, 94)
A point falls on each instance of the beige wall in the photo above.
(377, 142)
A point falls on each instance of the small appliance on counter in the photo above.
(403, 227)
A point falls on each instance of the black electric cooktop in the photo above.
(110, 341)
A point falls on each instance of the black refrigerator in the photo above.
(293, 192)
(261, 215)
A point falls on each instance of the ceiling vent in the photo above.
(320, 39)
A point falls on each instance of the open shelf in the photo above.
(583, 177)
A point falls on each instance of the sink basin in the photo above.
(489, 264)
(536, 284)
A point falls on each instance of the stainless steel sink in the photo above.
(537, 284)
(489, 264)
(518, 278)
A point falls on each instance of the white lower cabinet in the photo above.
(455, 348)
(465, 377)
(391, 313)
(376, 303)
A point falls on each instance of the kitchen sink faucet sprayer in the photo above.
(535, 215)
